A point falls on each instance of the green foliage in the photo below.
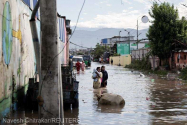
(116, 54)
(143, 64)
(182, 31)
(80, 53)
(99, 50)
(165, 29)
(183, 74)
(159, 72)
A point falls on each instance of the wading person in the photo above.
(83, 65)
(78, 65)
(86, 62)
(97, 75)
(99, 60)
(112, 61)
(104, 77)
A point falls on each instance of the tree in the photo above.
(99, 50)
(80, 53)
(165, 29)
(182, 31)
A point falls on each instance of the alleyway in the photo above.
(147, 102)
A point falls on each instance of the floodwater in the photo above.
(147, 100)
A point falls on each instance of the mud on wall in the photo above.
(17, 59)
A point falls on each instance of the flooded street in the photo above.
(147, 100)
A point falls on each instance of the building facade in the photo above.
(124, 44)
(17, 55)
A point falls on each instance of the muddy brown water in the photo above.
(148, 101)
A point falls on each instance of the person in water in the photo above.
(78, 65)
(104, 77)
(112, 61)
(83, 65)
(97, 75)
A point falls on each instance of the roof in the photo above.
(178, 46)
(178, 42)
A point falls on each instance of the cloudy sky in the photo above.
(111, 13)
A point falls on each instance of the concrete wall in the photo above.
(17, 59)
(123, 60)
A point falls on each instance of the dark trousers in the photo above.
(103, 84)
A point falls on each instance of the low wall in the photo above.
(139, 54)
(123, 60)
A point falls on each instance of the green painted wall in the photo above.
(123, 49)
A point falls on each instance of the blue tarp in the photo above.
(27, 2)
(34, 3)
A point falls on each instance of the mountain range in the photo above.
(89, 37)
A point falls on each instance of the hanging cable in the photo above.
(63, 48)
(79, 45)
(77, 19)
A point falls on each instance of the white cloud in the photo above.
(108, 5)
(124, 11)
(128, 17)
(182, 9)
(126, 1)
(115, 20)
(142, 1)
(103, 2)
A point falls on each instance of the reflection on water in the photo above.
(109, 109)
(147, 100)
(170, 99)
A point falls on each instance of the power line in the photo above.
(58, 55)
(78, 45)
(77, 19)
(63, 47)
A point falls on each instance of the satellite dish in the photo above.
(145, 19)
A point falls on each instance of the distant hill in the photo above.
(89, 37)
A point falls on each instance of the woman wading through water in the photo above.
(97, 75)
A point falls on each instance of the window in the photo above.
(77, 59)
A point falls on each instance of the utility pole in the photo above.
(129, 44)
(50, 87)
(119, 54)
(144, 20)
(129, 41)
(137, 33)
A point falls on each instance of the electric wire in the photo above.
(62, 49)
(58, 55)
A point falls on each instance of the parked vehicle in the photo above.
(75, 59)
(87, 60)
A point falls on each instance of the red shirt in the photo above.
(78, 64)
